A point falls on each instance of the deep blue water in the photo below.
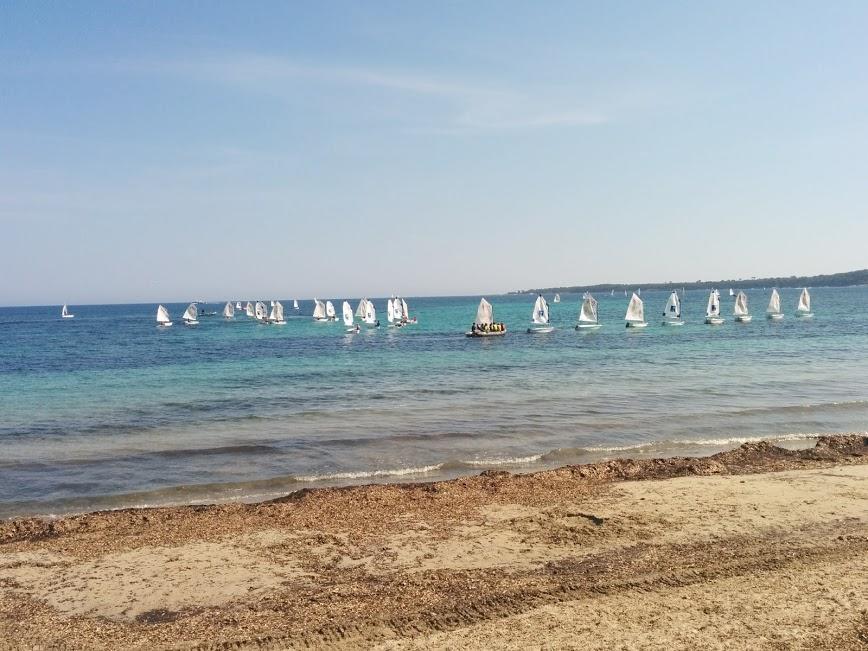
(107, 410)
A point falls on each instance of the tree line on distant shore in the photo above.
(845, 279)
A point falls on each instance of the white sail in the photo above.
(731, 293)
(360, 310)
(740, 307)
(588, 313)
(370, 313)
(405, 312)
(259, 311)
(249, 309)
(319, 312)
(557, 298)
(635, 310)
(238, 306)
(774, 303)
(484, 314)
(163, 315)
(540, 314)
(295, 304)
(190, 313)
(390, 311)
(228, 310)
(713, 307)
(64, 311)
(639, 292)
(348, 314)
(673, 307)
(276, 315)
(804, 301)
(330, 310)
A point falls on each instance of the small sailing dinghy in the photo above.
(360, 310)
(65, 313)
(228, 311)
(261, 312)
(319, 310)
(804, 308)
(773, 311)
(348, 317)
(330, 311)
(276, 316)
(249, 310)
(712, 310)
(672, 311)
(742, 315)
(392, 314)
(163, 319)
(190, 315)
(295, 304)
(370, 317)
(540, 317)
(557, 298)
(238, 306)
(588, 314)
(635, 316)
(731, 293)
(484, 325)
(402, 312)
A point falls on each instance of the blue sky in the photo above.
(169, 151)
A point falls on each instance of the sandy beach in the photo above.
(759, 547)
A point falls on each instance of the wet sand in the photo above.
(759, 547)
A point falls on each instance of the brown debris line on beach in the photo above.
(758, 547)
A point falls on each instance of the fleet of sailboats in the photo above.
(672, 311)
(635, 316)
(588, 313)
(540, 317)
(739, 309)
(712, 310)
(65, 313)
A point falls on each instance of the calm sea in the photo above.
(105, 410)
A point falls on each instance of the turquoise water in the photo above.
(106, 410)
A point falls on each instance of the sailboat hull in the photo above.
(774, 317)
(164, 325)
(637, 324)
(744, 318)
(805, 315)
(540, 330)
(588, 326)
(673, 322)
(72, 316)
(714, 320)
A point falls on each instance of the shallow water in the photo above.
(106, 410)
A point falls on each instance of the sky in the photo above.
(164, 151)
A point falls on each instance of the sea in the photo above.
(108, 411)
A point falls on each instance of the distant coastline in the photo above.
(845, 279)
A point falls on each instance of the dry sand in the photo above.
(755, 548)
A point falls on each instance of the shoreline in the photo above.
(519, 559)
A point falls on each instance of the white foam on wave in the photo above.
(507, 461)
(368, 474)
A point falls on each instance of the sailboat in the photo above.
(276, 316)
(557, 298)
(540, 317)
(402, 312)
(319, 311)
(163, 318)
(228, 311)
(360, 310)
(588, 314)
(613, 293)
(65, 313)
(635, 316)
(731, 293)
(639, 292)
(804, 308)
(260, 312)
(742, 315)
(295, 304)
(348, 317)
(370, 317)
(190, 315)
(484, 325)
(249, 310)
(238, 306)
(330, 311)
(773, 311)
(391, 313)
(712, 310)
(672, 311)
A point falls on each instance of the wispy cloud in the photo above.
(449, 105)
